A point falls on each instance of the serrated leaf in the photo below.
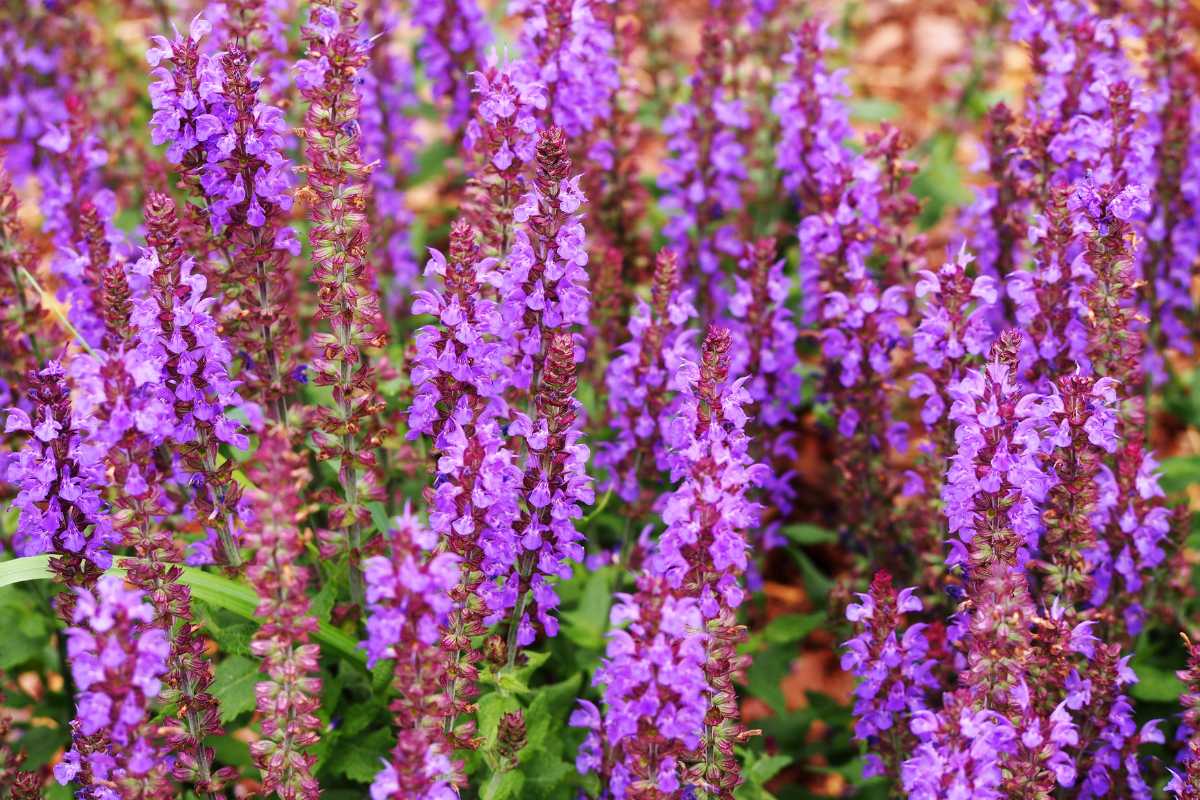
(358, 717)
(232, 639)
(233, 685)
(359, 758)
(323, 601)
(502, 786)
(788, 628)
(806, 534)
(546, 776)
(489, 708)
(516, 680)
(549, 710)
(381, 676)
(766, 768)
(586, 624)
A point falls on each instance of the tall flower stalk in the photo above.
(337, 195)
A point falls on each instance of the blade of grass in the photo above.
(215, 590)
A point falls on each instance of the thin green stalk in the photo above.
(62, 318)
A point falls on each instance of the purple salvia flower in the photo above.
(388, 138)
(186, 84)
(555, 486)
(409, 607)
(183, 361)
(570, 51)
(814, 123)
(455, 38)
(1087, 94)
(77, 212)
(408, 592)
(459, 379)
(894, 671)
(638, 379)
(118, 659)
(1172, 232)
(953, 334)
(1112, 757)
(998, 445)
(291, 695)
(350, 328)
(59, 474)
(764, 350)
(1187, 784)
(1079, 428)
(460, 358)
(1137, 524)
(544, 281)
(704, 545)
(959, 753)
(704, 174)
(851, 213)
(244, 175)
(654, 693)
(34, 84)
(668, 677)
(503, 136)
(1047, 301)
(1008, 670)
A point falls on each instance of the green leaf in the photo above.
(503, 785)
(41, 743)
(550, 708)
(815, 582)
(870, 109)
(233, 685)
(759, 770)
(806, 534)
(766, 674)
(766, 768)
(489, 708)
(359, 758)
(586, 624)
(788, 628)
(26, 626)
(516, 680)
(212, 589)
(1156, 685)
(546, 776)
(1179, 472)
(19, 570)
(234, 638)
(379, 517)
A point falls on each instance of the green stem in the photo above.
(62, 318)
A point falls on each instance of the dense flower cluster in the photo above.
(893, 666)
(670, 715)
(408, 604)
(639, 378)
(117, 662)
(59, 475)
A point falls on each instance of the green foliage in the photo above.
(233, 686)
